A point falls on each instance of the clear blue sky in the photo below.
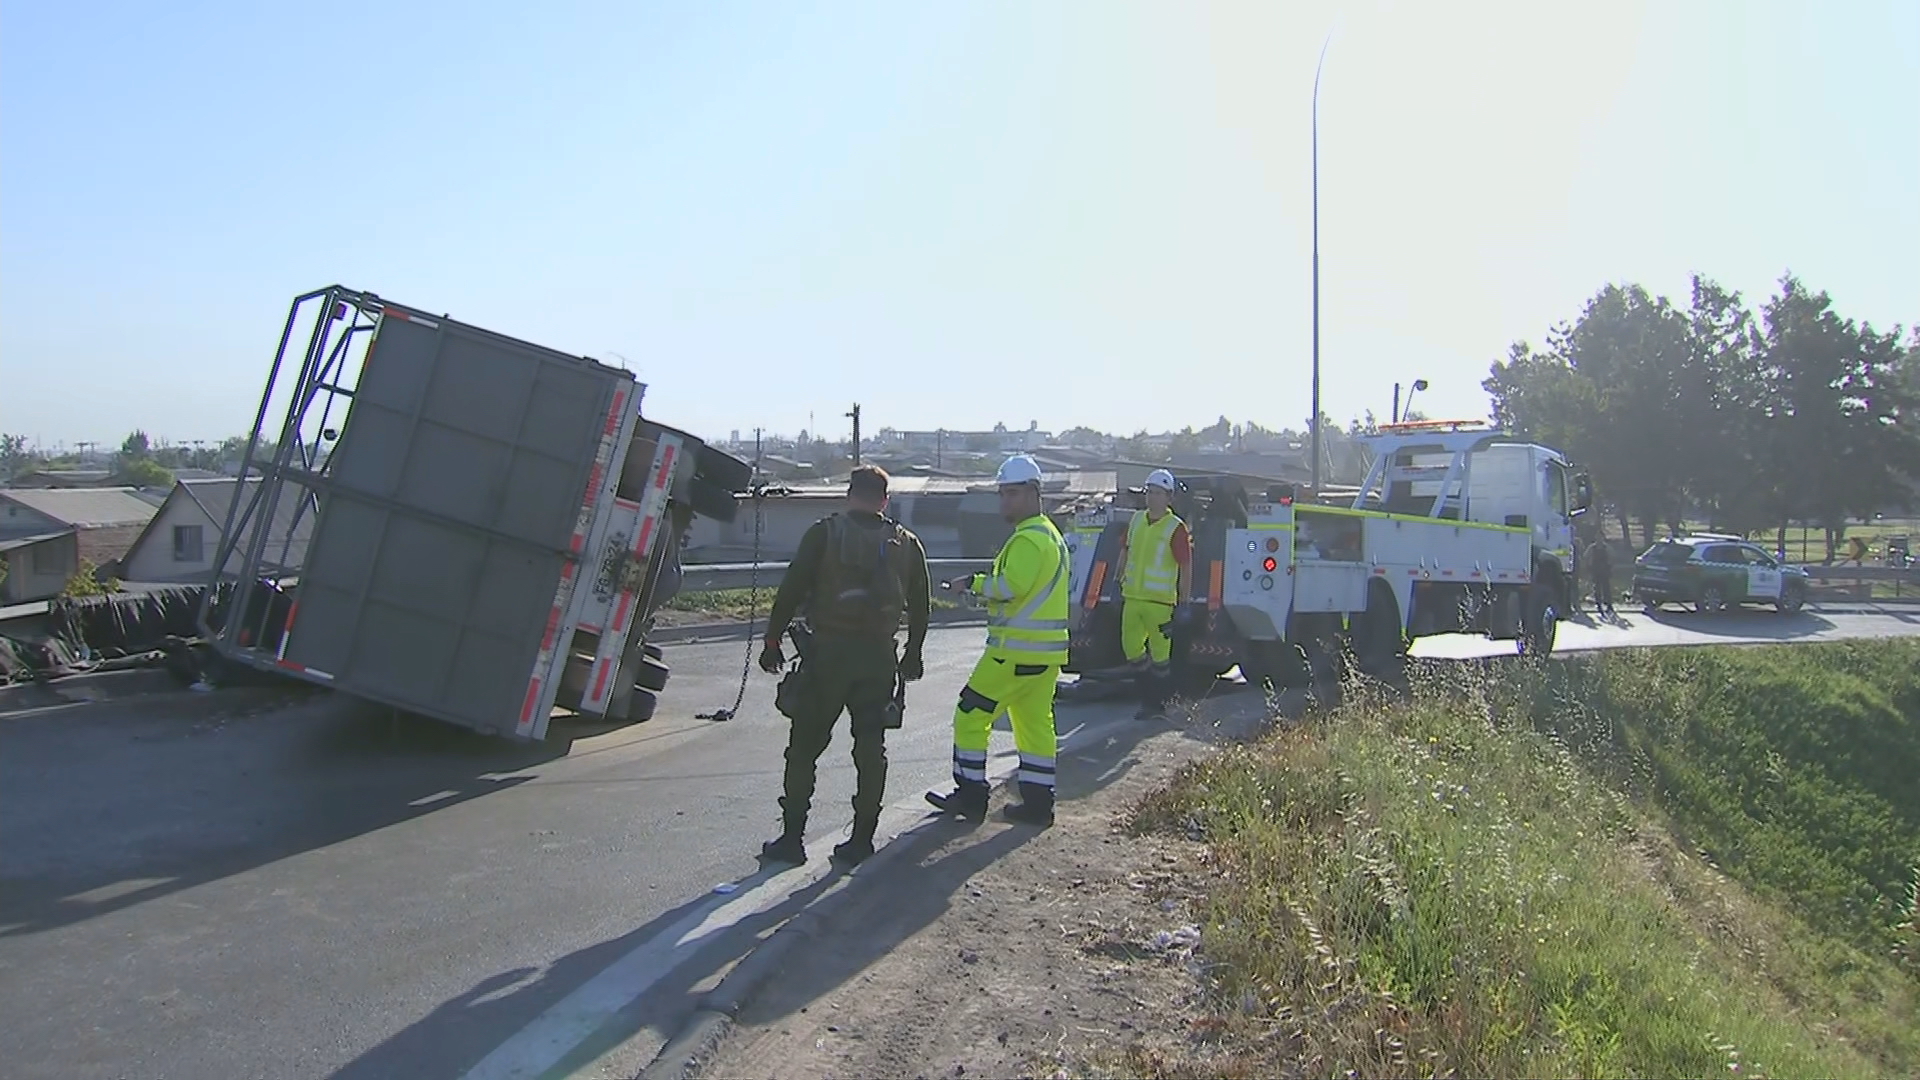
(1091, 212)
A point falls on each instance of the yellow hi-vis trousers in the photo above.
(1025, 693)
(1144, 625)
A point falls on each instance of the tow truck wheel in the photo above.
(1541, 622)
(1379, 645)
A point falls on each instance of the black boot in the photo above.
(967, 799)
(1035, 806)
(790, 846)
(1150, 694)
(857, 848)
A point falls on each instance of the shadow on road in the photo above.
(106, 806)
(1099, 744)
(1739, 622)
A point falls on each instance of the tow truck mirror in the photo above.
(1582, 493)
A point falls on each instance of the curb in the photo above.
(687, 1052)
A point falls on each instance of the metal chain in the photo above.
(753, 615)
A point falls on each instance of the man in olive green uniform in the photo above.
(854, 576)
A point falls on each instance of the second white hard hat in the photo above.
(1162, 479)
(1018, 469)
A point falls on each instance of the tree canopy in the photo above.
(1750, 421)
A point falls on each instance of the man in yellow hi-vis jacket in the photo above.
(1026, 595)
(1156, 578)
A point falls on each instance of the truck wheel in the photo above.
(1378, 642)
(640, 707)
(650, 674)
(1281, 663)
(1541, 623)
(722, 469)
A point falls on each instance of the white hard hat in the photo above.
(1162, 479)
(1018, 469)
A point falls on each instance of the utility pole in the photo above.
(855, 414)
(759, 474)
(1316, 260)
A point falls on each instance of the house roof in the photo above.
(85, 508)
(28, 541)
(53, 478)
(287, 540)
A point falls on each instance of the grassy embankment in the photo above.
(1695, 862)
(723, 604)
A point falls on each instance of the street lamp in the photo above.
(1314, 428)
(1418, 385)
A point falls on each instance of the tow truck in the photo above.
(1457, 528)
(456, 523)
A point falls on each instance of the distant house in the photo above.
(180, 543)
(105, 521)
(63, 478)
(38, 567)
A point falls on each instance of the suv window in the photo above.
(1722, 553)
(1667, 553)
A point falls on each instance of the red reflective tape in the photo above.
(1380, 571)
(527, 706)
(666, 467)
(600, 680)
(289, 665)
(613, 414)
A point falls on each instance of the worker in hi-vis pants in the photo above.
(1026, 599)
(1156, 574)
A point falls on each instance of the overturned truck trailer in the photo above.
(487, 525)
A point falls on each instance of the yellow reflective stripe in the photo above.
(1380, 515)
(1282, 526)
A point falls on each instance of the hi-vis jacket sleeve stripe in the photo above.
(1015, 573)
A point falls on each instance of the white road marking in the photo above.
(551, 1036)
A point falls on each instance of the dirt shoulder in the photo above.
(1003, 950)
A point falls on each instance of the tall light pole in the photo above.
(1418, 385)
(1315, 424)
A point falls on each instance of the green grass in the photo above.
(722, 604)
(1638, 863)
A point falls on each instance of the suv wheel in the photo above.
(1711, 600)
(1792, 597)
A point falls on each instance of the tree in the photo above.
(15, 458)
(135, 446)
(144, 473)
(1751, 423)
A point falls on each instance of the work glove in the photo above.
(912, 666)
(772, 659)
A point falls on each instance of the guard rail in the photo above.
(1862, 579)
(714, 577)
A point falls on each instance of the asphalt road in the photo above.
(237, 885)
